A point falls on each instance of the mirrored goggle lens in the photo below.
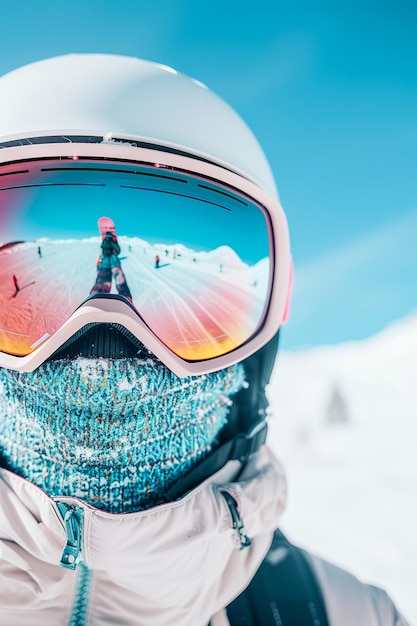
(191, 255)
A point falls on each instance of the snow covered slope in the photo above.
(345, 424)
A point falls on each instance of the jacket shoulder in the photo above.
(350, 601)
(293, 586)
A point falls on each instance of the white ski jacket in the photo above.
(178, 564)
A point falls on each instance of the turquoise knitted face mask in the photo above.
(116, 433)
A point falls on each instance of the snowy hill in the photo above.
(345, 424)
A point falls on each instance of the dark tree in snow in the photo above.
(337, 411)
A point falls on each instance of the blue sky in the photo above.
(330, 90)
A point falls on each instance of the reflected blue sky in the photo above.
(67, 203)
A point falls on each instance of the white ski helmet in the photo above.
(125, 98)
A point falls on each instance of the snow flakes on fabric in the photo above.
(115, 433)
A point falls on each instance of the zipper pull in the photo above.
(72, 517)
(244, 540)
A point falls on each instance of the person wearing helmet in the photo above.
(136, 487)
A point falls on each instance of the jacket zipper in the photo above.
(81, 600)
(244, 540)
(72, 517)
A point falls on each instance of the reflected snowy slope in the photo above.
(212, 298)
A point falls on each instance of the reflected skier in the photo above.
(109, 267)
(16, 285)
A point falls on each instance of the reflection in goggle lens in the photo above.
(190, 255)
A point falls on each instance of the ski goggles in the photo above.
(190, 258)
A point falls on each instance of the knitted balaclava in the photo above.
(116, 433)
